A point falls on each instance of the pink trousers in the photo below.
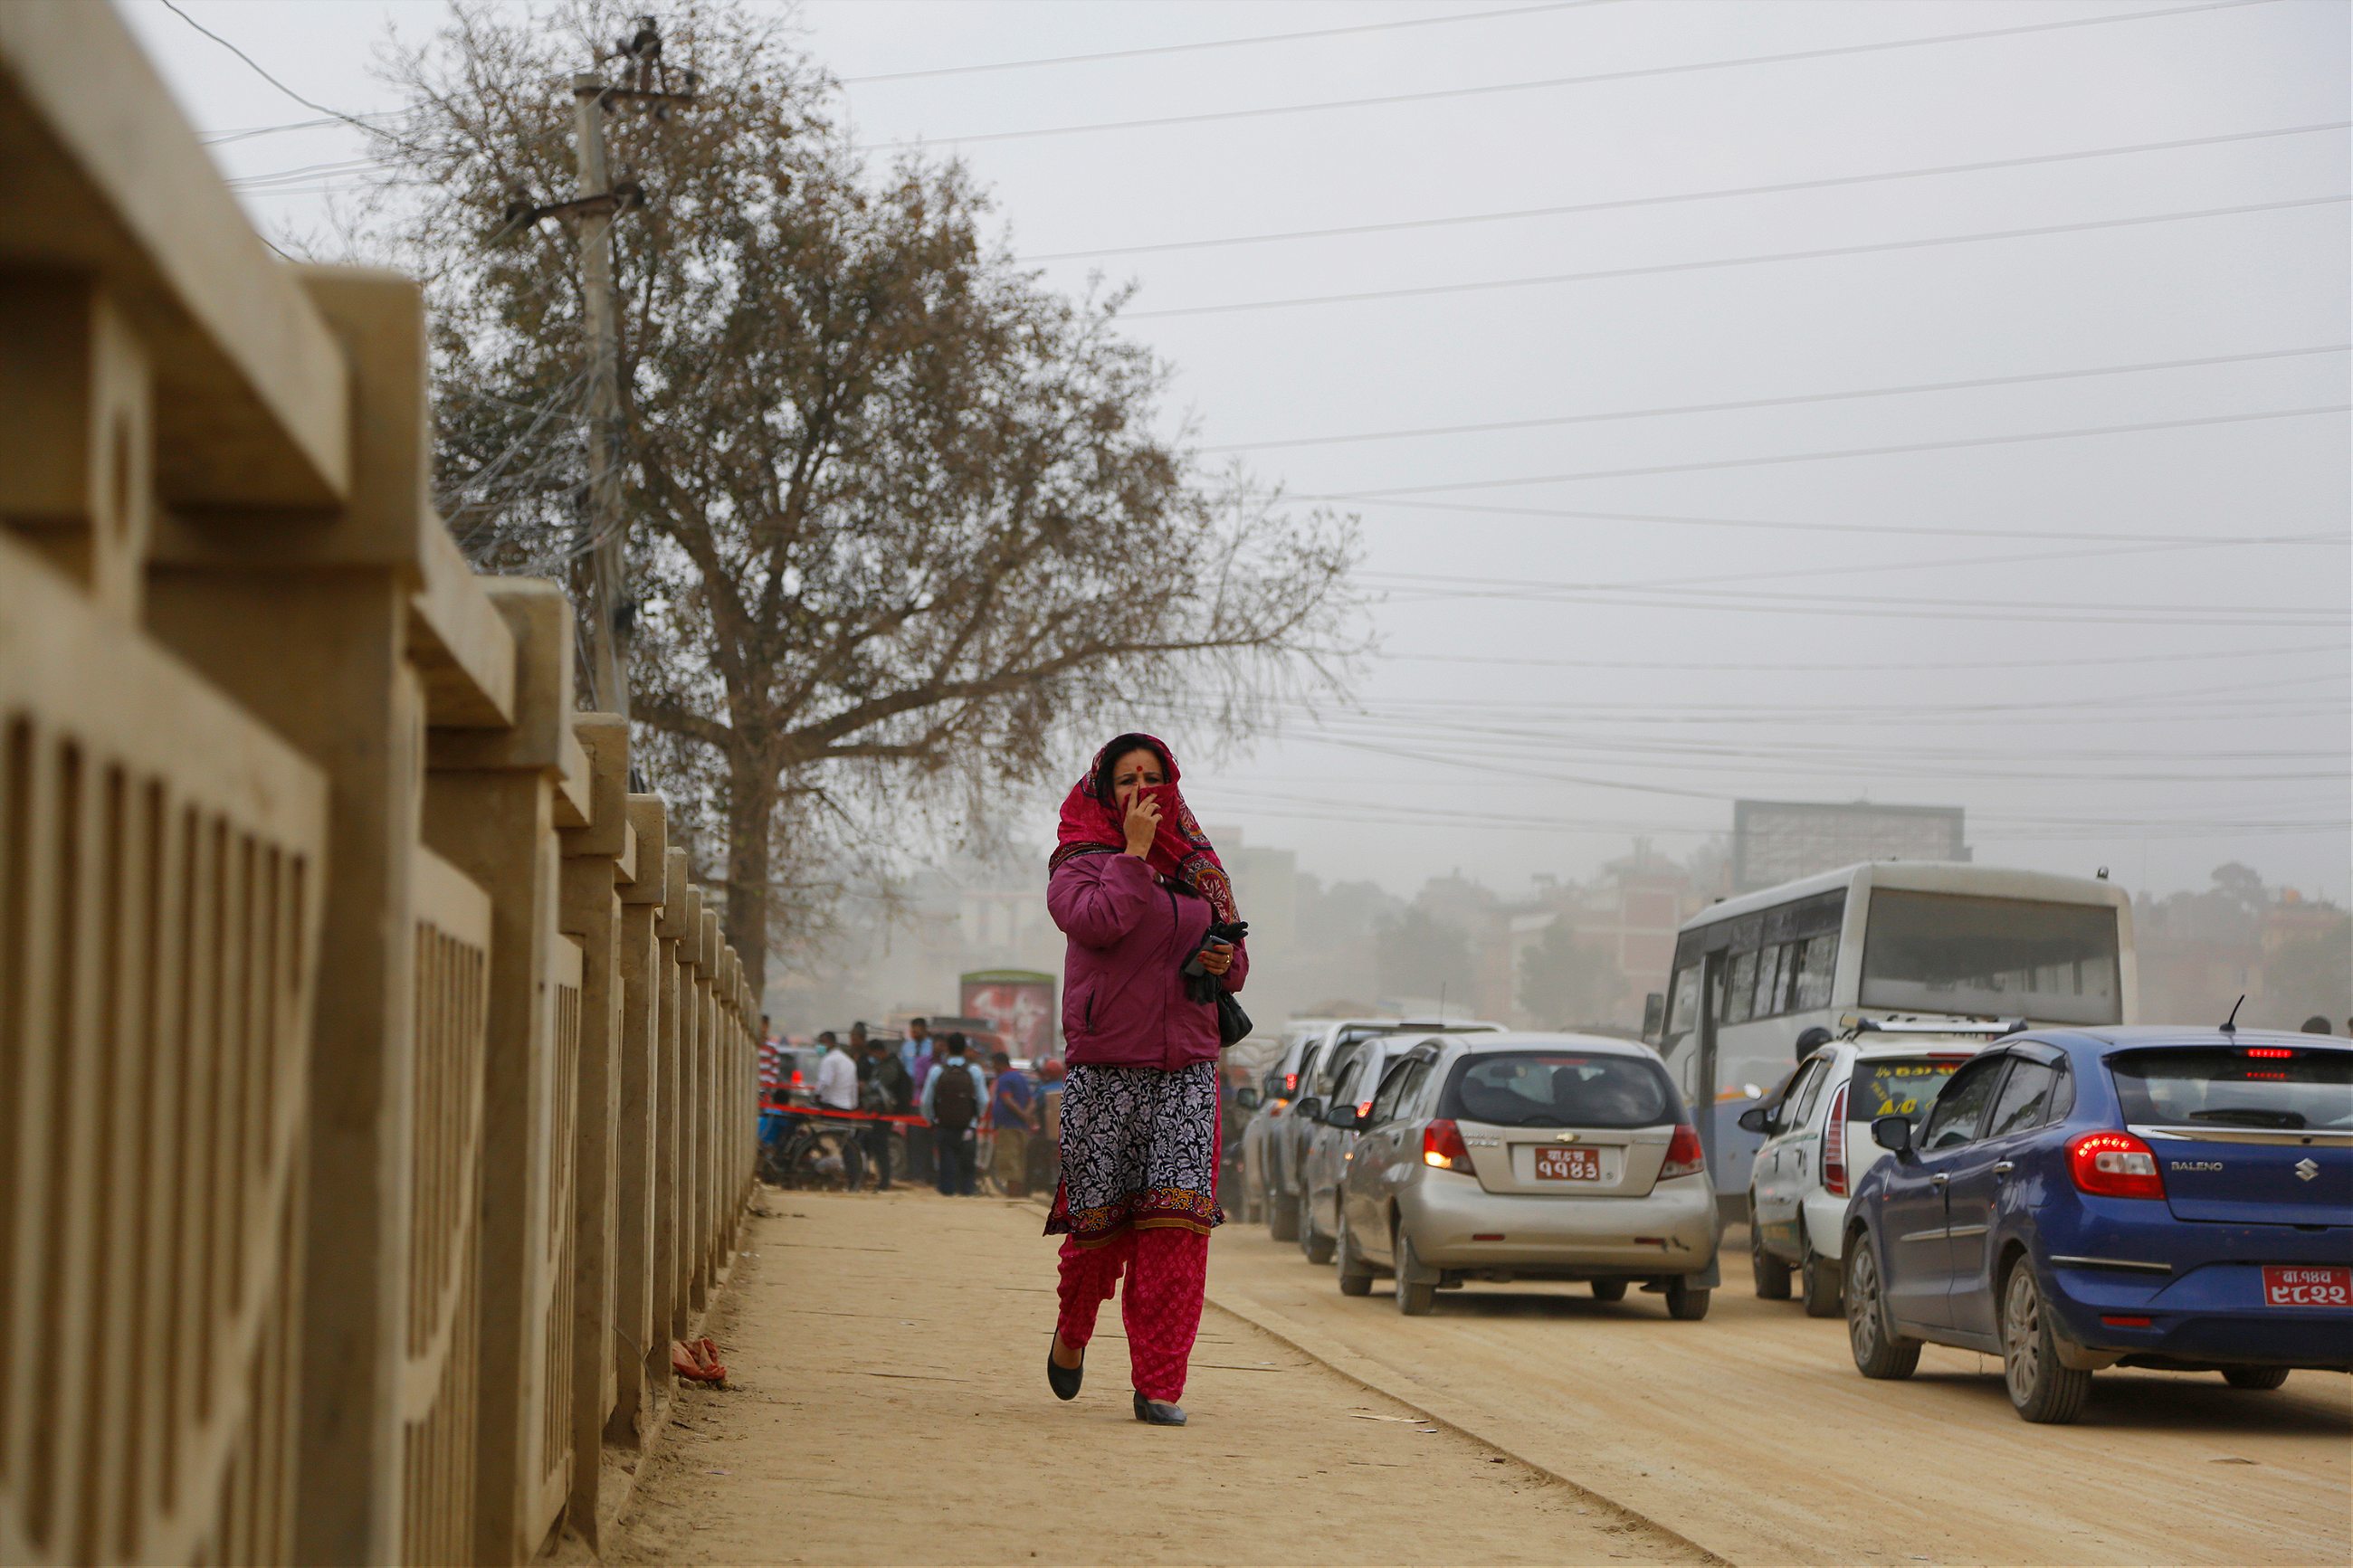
(1167, 1267)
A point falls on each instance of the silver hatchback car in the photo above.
(1528, 1156)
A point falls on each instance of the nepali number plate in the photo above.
(2307, 1286)
(1569, 1164)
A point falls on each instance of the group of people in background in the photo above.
(957, 1097)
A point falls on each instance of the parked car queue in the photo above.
(2069, 1199)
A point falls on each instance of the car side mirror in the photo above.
(1755, 1119)
(1654, 1017)
(1344, 1117)
(1247, 1099)
(1312, 1106)
(1893, 1134)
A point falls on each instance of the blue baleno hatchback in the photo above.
(2078, 1199)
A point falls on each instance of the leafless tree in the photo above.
(908, 527)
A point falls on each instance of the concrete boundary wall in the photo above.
(376, 1092)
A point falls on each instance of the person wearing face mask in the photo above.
(1154, 936)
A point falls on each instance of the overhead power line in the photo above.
(2000, 612)
(1716, 263)
(247, 133)
(1740, 405)
(1910, 712)
(1685, 69)
(1678, 520)
(264, 74)
(1441, 20)
(1504, 587)
(1899, 449)
(1872, 667)
(1629, 203)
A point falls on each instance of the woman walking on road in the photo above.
(1153, 935)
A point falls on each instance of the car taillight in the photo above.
(1685, 1157)
(1290, 1083)
(2114, 1165)
(1364, 1109)
(1442, 1146)
(1834, 1147)
(797, 1077)
(2268, 1053)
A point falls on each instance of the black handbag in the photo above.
(1233, 1024)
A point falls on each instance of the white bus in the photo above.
(1891, 939)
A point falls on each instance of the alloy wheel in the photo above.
(1862, 1303)
(2022, 1335)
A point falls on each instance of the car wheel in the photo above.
(1818, 1279)
(2041, 1389)
(1878, 1352)
(1686, 1302)
(2255, 1377)
(1608, 1290)
(1312, 1242)
(1772, 1274)
(1415, 1296)
(1281, 1218)
(1355, 1275)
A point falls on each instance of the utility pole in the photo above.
(610, 609)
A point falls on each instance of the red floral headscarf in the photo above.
(1092, 825)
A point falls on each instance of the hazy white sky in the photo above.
(2113, 646)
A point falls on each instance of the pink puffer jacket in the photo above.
(1123, 1002)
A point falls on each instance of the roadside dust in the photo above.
(887, 1404)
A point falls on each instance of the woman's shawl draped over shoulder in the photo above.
(1180, 850)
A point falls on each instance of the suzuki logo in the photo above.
(2305, 1168)
(1571, 1138)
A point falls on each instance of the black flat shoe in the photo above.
(1158, 1412)
(1064, 1380)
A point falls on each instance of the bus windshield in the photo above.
(1951, 953)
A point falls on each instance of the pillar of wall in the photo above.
(679, 933)
(596, 858)
(637, 1335)
(494, 802)
(691, 1026)
(313, 624)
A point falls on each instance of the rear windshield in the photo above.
(2277, 1087)
(1560, 1089)
(1996, 958)
(1894, 1086)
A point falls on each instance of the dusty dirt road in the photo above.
(1751, 1434)
(889, 1406)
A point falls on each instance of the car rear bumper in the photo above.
(2211, 1315)
(1672, 1230)
(1825, 1219)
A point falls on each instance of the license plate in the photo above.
(1569, 1164)
(2307, 1286)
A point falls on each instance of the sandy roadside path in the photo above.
(888, 1406)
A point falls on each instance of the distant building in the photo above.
(1777, 841)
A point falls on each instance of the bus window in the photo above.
(1682, 1004)
(1740, 988)
(1773, 983)
(1817, 957)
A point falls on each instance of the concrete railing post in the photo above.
(594, 858)
(494, 801)
(679, 932)
(638, 1337)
